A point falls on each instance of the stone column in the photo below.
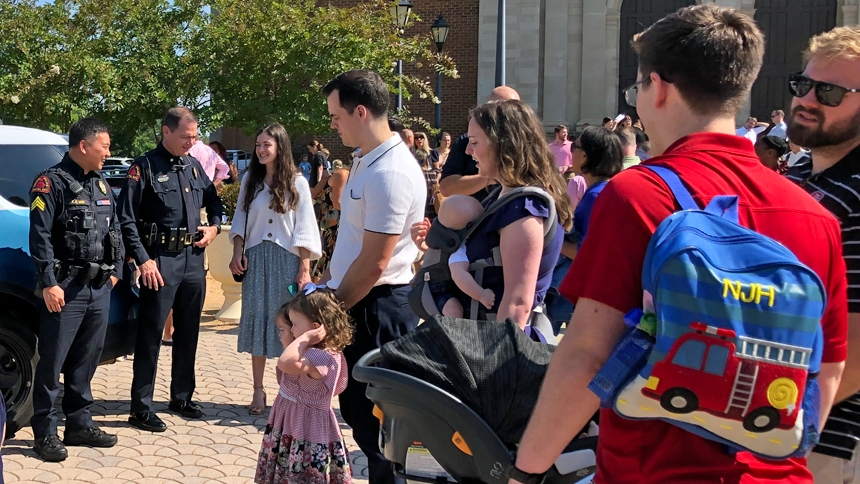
(747, 7)
(613, 35)
(849, 13)
(523, 59)
(555, 63)
(593, 87)
(488, 18)
(574, 63)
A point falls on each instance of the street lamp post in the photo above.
(439, 29)
(501, 34)
(400, 12)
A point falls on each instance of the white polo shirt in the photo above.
(385, 193)
(750, 134)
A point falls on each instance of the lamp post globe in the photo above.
(440, 30)
(400, 13)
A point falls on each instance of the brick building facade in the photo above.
(458, 95)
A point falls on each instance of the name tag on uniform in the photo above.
(162, 178)
(78, 201)
(104, 201)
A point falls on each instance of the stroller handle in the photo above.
(370, 358)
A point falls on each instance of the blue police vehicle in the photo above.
(24, 152)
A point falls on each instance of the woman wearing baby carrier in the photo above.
(507, 141)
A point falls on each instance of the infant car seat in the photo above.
(432, 435)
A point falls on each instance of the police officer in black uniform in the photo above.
(160, 217)
(76, 246)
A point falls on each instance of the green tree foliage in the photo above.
(235, 62)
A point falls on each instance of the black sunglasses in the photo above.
(826, 93)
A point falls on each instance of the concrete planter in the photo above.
(220, 253)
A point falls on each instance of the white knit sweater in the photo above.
(292, 230)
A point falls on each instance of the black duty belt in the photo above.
(171, 240)
(84, 272)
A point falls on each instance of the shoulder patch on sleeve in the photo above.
(41, 185)
(134, 172)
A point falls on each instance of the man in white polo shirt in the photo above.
(751, 129)
(371, 266)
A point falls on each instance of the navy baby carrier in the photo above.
(442, 242)
(728, 343)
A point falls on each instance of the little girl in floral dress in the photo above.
(302, 443)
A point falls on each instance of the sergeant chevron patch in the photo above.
(38, 204)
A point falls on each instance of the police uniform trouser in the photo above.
(183, 291)
(382, 316)
(70, 341)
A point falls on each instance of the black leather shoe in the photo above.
(147, 421)
(91, 437)
(186, 408)
(50, 449)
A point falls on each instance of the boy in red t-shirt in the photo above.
(696, 69)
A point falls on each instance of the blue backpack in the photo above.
(728, 343)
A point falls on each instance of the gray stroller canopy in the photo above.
(492, 366)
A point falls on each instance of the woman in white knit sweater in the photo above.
(275, 224)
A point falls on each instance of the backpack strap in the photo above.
(679, 191)
(724, 206)
(550, 224)
(550, 227)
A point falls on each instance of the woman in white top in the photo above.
(275, 223)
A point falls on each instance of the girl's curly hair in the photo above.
(321, 306)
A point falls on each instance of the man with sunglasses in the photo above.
(825, 117)
(777, 117)
(696, 69)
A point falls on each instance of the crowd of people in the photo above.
(327, 251)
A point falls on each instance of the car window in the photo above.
(115, 176)
(19, 165)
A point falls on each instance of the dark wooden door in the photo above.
(636, 16)
(787, 26)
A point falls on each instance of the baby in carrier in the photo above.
(455, 213)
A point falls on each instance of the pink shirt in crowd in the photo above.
(214, 166)
(562, 154)
(576, 188)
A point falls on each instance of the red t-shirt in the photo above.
(608, 269)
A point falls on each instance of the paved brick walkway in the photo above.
(220, 448)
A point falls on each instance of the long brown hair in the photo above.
(284, 178)
(519, 143)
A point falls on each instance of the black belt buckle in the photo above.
(189, 238)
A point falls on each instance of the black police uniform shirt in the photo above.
(153, 194)
(56, 218)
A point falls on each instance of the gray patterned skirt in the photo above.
(271, 269)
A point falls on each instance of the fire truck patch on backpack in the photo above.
(728, 342)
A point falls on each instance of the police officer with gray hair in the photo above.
(76, 246)
(160, 219)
